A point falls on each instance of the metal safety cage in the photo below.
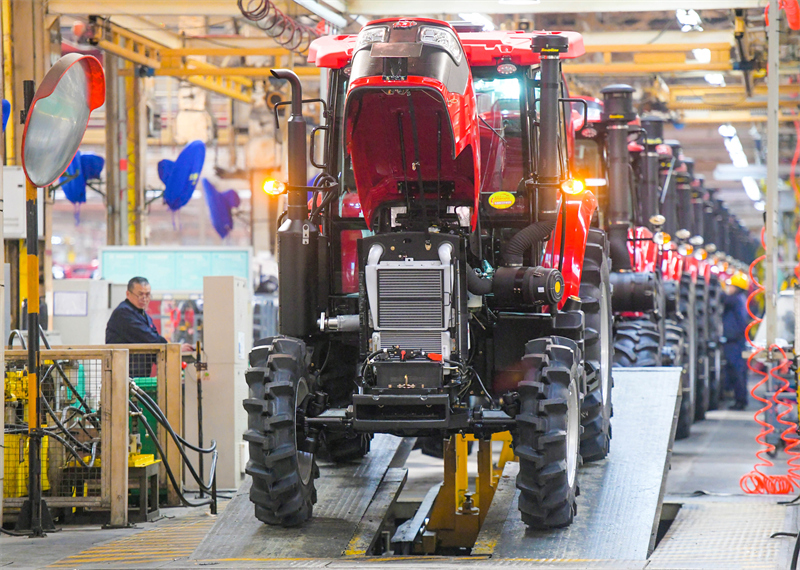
(84, 411)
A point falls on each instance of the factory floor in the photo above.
(720, 450)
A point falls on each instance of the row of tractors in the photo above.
(673, 246)
(458, 270)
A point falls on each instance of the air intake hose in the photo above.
(525, 239)
(477, 285)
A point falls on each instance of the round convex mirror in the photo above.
(58, 116)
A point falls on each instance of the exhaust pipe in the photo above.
(649, 201)
(549, 48)
(617, 113)
(297, 237)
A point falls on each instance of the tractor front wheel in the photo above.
(547, 433)
(595, 293)
(282, 462)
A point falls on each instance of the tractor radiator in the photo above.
(411, 299)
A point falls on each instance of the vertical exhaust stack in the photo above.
(684, 195)
(698, 209)
(617, 113)
(297, 237)
(549, 169)
(649, 201)
(669, 207)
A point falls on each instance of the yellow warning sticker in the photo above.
(502, 200)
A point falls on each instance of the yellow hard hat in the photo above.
(740, 280)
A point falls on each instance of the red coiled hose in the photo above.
(757, 482)
(788, 435)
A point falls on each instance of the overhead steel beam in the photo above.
(689, 40)
(386, 7)
(722, 117)
(632, 68)
(425, 7)
(143, 7)
(707, 104)
(646, 58)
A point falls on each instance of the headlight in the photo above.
(685, 249)
(444, 38)
(661, 238)
(369, 36)
(700, 254)
(572, 187)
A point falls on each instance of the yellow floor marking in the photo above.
(170, 540)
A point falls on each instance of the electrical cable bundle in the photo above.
(757, 482)
(211, 487)
(287, 32)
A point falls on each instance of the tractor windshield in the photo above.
(498, 101)
(588, 163)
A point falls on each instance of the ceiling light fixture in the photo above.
(739, 159)
(478, 20)
(689, 20)
(716, 79)
(702, 55)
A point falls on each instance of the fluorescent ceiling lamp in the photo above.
(760, 205)
(519, 2)
(751, 188)
(689, 20)
(715, 79)
(478, 20)
(739, 159)
(361, 20)
(702, 55)
(727, 131)
(326, 13)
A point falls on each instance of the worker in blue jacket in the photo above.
(734, 321)
(130, 324)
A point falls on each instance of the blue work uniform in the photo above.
(131, 325)
(734, 322)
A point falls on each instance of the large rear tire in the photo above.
(283, 471)
(637, 343)
(595, 291)
(703, 385)
(687, 322)
(675, 352)
(547, 433)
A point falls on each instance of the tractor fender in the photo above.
(579, 211)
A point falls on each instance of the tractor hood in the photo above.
(411, 118)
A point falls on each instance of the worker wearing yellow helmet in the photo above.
(734, 323)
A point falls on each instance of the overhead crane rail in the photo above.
(635, 59)
(162, 60)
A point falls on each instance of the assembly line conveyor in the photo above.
(619, 507)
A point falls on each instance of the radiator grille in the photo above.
(429, 341)
(411, 299)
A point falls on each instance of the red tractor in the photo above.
(603, 159)
(482, 301)
(640, 184)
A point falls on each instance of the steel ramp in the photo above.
(620, 500)
(343, 516)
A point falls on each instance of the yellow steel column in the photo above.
(8, 85)
(461, 475)
(135, 184)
